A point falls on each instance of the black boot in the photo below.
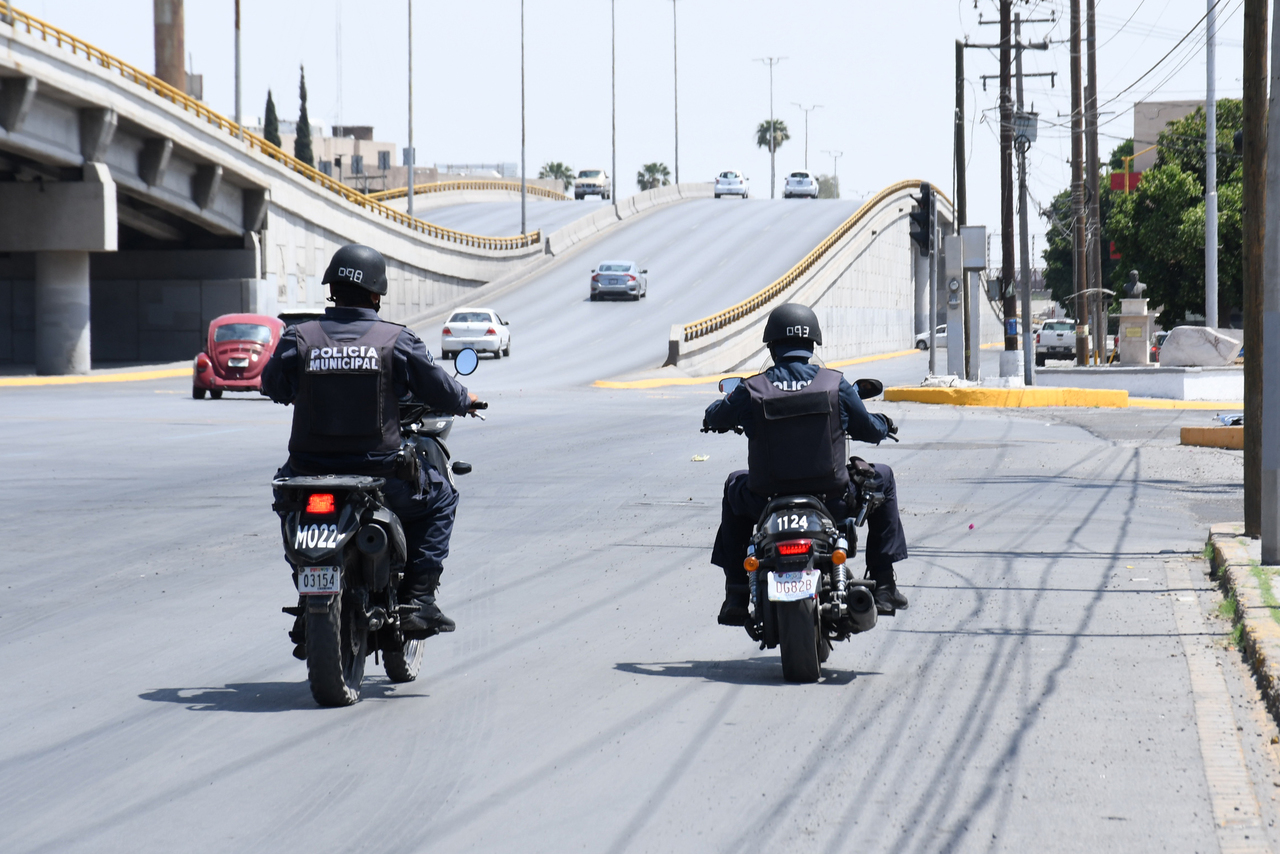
(734, 610)
(889, 599)
(428, 619)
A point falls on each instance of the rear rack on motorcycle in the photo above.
(362, 483)
(795, 501)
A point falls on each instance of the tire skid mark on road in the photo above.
(1237, 818)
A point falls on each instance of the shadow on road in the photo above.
(260, 696)
(766, 671)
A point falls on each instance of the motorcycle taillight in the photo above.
(794, 547)
(321, 503)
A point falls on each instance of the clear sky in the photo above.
(883, 71)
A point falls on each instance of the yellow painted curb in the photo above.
(136, 376)
(1012, 397)
(1161, 403)
(1228, 438)
(659, 382)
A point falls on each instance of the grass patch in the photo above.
(1263, 578)
(1208, 552)
(1228, 609)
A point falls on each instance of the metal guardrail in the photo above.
(710, 324)
(77, 46)
(453, 186)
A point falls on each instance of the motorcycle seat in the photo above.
(789, 501)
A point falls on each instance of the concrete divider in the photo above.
(1228, 438)
(1012, 397)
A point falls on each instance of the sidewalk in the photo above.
(1250, 589)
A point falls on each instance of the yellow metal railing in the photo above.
(453, 186)
(79, 47)
(707, 325)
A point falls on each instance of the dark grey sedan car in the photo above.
(619, 280)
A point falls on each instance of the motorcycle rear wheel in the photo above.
(336, 649)
(800, 641)
(402, 665)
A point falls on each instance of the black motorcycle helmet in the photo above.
(362, 266)
(792, 322)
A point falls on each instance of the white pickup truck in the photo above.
(1056, 340)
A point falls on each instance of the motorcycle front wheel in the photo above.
(336, 649)
(402, 665)
(801, 641)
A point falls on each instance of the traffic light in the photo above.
(922, 219)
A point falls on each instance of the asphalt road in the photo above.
(502, 219)
(1035, 697)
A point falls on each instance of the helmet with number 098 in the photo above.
(362, 266)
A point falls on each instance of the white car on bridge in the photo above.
(481, 329)
(731, 182)
(800, 184)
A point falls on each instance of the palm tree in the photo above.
(556, 169)
(653, 175)
(771, 141)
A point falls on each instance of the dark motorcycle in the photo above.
(804, 597)
(348, 553)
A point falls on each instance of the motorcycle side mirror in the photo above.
(466, 362)
(868, 388)
(459, 467)
(728, 384)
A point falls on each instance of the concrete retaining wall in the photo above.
(1226, 384)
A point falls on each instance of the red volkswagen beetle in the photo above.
(238, 348)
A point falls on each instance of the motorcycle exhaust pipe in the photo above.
(862, 608)
(372, 540)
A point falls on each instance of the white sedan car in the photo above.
(481, 329)
(800, 184)
(732, 183)
(940, 335)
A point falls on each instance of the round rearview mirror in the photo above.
(728, 384)
(868, 388)
(466, 361)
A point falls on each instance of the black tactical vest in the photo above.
(346, 401)
(797, 444)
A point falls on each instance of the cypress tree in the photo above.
(271, 123)
(302, 142)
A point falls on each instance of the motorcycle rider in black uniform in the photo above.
(791, 333)
(345, 375)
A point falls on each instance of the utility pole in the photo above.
(239, 123)
(1010, 300)
(835, 164)
(1269, 378)
(807, 111)
(1254, 216)
(1210, 169)
(1093, 219)
(771, 61)
(1077, 192)
(675, 74)
(411, 158)
(613, 96)
(961, 194)
(1022, 144)
(523, 227)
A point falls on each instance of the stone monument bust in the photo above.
(1134, 289)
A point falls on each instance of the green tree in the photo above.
(302, 142)
(652, 176)
(780, 134)
(1059, 272)
(1123, 150)
(271, 123)
(828, 186)
(556, 169)
(1181, 143)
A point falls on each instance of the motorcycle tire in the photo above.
(336, 650)
(402, 665)
(799, 640)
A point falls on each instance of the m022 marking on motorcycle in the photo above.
(793, 586)
(783, 522)
(319, 580)
(316, 537)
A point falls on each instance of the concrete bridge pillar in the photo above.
(62, 312)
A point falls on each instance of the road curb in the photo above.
(1228, 438)
(1011, 397)
(77, 379)
(1234, 558)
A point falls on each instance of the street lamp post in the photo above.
(410, 158)
(807, 111)
(835, 165)
(613, 97)
(239, 124)
(675, 73)
(523, 228)
(771, 61)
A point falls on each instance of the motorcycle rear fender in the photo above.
(347, 521)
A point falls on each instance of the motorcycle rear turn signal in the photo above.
(838, 557)
(320, 502)
(751, 564)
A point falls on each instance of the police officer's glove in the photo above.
(893, 428)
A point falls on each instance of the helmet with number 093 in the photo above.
(792, 321)
(362, 266)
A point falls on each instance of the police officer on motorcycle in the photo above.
(345, 375)
(782, 460)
